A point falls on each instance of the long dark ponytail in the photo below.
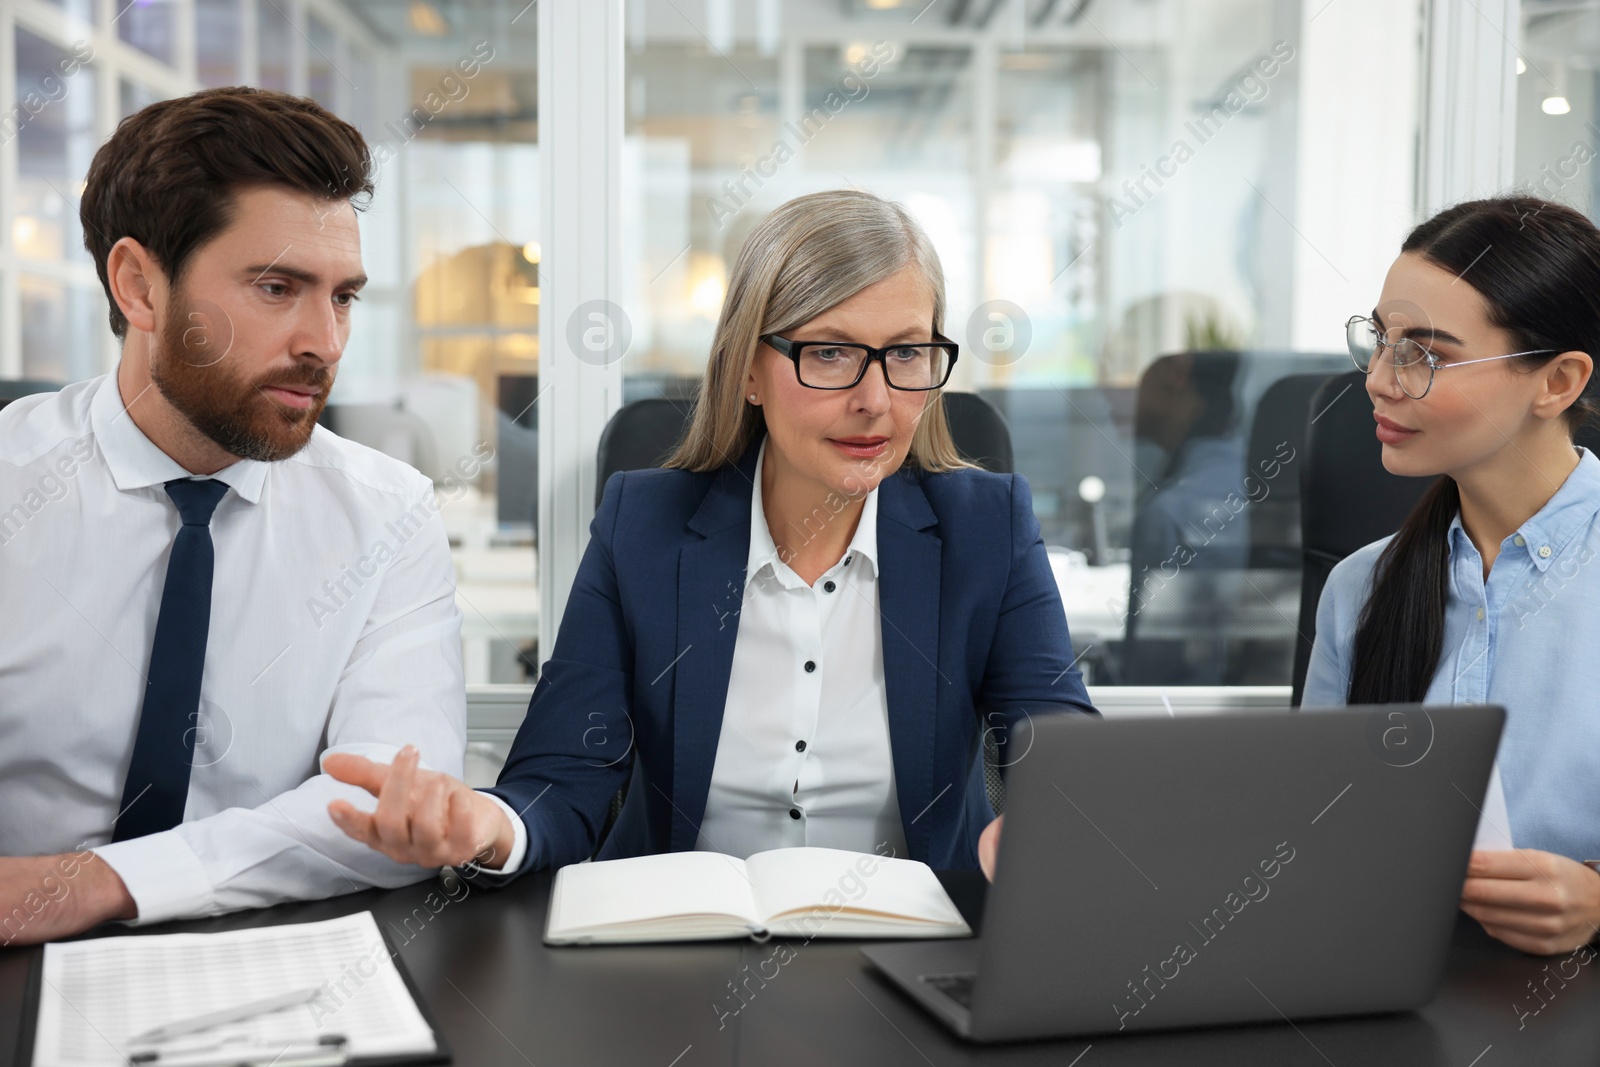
(1537, 266)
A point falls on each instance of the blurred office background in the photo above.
(1154, 217)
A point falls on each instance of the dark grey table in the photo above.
(502, 997)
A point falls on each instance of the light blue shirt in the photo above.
(1528, 639)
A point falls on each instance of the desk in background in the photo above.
(502, 997)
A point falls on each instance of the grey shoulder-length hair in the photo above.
(809, 255)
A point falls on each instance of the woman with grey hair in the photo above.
(799, 632)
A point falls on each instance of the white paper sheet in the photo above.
(97, 994)
(1494, 821)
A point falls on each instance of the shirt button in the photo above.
(1480, 613)
(827, 587)
(794, 813)
(1544, 551)
(799, 746)
(847, 560)
(1518, 541)
(811, 665)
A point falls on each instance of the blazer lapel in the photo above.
(908, 604)
(710, 591)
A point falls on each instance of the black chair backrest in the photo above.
(1347, 498)
(643, 433)
(1278, 429)
(17, 388)
(979, 431)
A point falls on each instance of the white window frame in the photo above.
(580, 209)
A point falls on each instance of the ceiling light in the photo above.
(425, 19)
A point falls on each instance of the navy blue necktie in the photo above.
(157, 787)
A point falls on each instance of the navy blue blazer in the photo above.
(974, 638)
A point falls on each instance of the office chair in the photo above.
(980, 432)
(644, 432)
(1279, 428)
(641, 435)
(1347, 498)
(17, 388)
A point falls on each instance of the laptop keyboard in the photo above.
(958, 987)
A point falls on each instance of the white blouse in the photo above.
(804, 757)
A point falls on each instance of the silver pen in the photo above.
(265, 1006)
(326, 1051)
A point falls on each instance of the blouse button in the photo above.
(794, 813)
(811, 665)
(799, 746)
(827, 587)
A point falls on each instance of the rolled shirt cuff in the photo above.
(163, 875)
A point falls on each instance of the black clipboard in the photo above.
(440, 1055)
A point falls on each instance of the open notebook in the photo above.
(98, 995)
(788, 892)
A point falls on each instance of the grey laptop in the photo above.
(1227, 868)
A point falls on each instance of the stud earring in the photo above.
(752, 398)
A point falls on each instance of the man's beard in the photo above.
(192, 369)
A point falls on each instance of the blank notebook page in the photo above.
(97, 994)
(794, 879)
(616, 892)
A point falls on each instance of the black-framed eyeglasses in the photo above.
(1413, 364)
(841, 365)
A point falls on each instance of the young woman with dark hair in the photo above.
(1479, 357)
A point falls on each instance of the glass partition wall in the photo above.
(1121, 195)
(444, 347)
(1153, 216)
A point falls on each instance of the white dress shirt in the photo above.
(333, 628)
(804, 757)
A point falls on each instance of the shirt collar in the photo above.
(764, 551)
(136, 462)
(1571, 509)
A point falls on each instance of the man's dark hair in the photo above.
(166, 177)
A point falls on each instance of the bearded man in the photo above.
(204, 593)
